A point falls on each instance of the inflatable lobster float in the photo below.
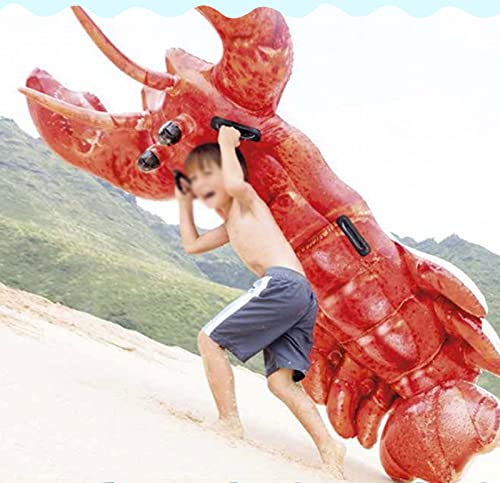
(398, 337)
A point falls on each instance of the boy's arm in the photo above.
(232, 173)
(193, 242)
(209, 240)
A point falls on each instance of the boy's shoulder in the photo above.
(246, 193)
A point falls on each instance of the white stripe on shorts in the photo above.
(258, 286)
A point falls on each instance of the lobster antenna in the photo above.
(154, 79)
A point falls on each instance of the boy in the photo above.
(276, 315)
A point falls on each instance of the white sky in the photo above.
(405, 110)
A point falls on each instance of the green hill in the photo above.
(77, 240)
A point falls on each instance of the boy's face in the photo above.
(207, 184)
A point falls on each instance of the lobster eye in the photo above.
(148, 161)
(170, 133)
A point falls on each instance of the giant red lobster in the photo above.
(397, 333)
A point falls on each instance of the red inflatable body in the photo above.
(397, 332)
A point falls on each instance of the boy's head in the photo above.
(203, 166)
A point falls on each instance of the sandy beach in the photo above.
(85, 400)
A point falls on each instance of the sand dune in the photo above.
(85, 400)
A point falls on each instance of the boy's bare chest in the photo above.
(240, 219)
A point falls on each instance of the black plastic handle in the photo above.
(177, 176)
(247, 133)
(357, 241)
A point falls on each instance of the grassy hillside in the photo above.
(77, 240)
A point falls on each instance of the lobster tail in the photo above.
(435, 434)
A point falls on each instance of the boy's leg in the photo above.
(221, 381)
(332, 453)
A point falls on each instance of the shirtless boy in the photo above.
(276, 315)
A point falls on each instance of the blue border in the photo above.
(234, 8)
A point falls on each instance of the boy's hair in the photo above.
(202, 154)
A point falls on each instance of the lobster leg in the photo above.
(330, 380)
(371, 412)
(430, 275)
(351, 384)
(325, 357)
(485, 347)
(356, 401)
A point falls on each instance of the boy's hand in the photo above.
(228, 136)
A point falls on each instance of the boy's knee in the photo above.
(203, 339)
(205, 342)
(279, 381)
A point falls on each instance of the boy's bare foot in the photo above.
(333, 456)
(228, 427)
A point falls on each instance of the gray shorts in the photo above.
(277, 315)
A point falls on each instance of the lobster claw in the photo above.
(77, 127)
(257, 59)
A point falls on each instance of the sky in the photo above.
(405, 110)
